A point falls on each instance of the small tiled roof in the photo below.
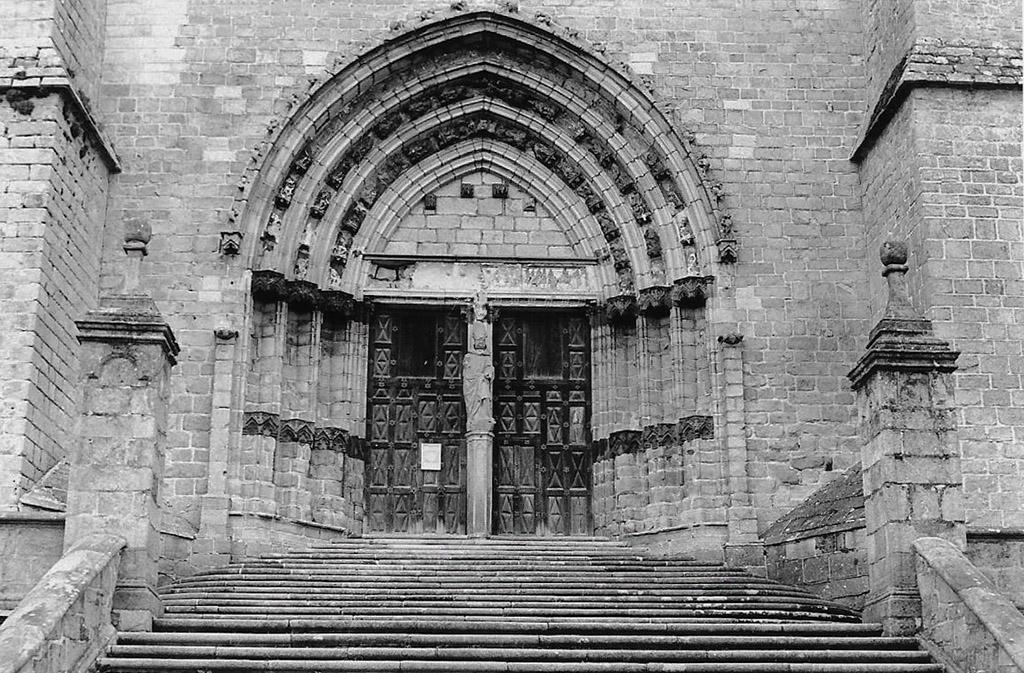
(839, 505)
(51, 491)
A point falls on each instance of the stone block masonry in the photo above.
(193, 105)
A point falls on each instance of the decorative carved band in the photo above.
(695, 427)
(268, 285)
(691, 291)
(658, 434)
(651, 436)
(296, 430)
(272, 286)
(260, 423)
(267, 424)
(621, 309)
(655, 301)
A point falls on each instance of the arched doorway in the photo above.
(483, 171)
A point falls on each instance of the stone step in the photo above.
(566, 625)
(482, 581)
(157, 665)
(272, 594)
(806, 610)
(568, 606)
(632, 654)
(457, 639)
(560, 603)
(471, 574)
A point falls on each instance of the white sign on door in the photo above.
(430, 456)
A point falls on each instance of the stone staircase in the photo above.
(502, 604)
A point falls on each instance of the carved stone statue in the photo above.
(478, 371)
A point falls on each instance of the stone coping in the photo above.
(297, 522)
(1001, 618)
(56, 518)
(33, 622)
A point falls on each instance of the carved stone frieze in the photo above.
(655, 301)
(691, 291)
(296, 430)
(695, 427)
(302, 294)
(728, 250)
(621, 309)
(621, 443)
(337, 303)
(230, 243)
(330, 439)
(268, 285)
(730, 339)
(658, 435)
(261, 423)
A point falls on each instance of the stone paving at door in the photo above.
(500, 604)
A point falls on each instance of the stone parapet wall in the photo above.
(999, 553)
(63, 624)
(30, 543)
(833, 565)
(820, 544)
(965, 619)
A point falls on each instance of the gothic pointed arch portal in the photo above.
(476, 167)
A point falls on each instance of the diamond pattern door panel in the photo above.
(415, 396)
(542, 463)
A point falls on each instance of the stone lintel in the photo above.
(128, 319)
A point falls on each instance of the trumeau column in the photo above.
(478, 389)
(127, 354)
(913, 485)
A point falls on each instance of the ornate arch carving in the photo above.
(373, 128)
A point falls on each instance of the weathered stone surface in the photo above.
(64, 623)
(964, 615)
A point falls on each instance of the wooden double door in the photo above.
(542, 404)
(415, 399)
(541, 479)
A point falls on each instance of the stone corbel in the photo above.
(621, 309)
(655, 301)
(268, 285)
(691, 291)
(230, 243)
(728, 250)
(338, 304)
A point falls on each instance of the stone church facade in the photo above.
(513, 268)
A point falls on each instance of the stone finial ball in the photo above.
(893, 252)
(137, 231)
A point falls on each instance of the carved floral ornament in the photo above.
(605, 135)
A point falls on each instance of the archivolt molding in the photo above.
(490, 119)
(377, 123)
(566, 207)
